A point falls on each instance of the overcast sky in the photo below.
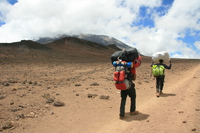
(148, 25)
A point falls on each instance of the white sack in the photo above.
(161, 55)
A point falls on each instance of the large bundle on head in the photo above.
(161, 55)
(128, 55)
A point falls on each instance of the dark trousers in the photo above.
(132, 94)
(159, 83)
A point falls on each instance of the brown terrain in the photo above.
(67, 87)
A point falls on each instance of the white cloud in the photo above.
(184, 14)
(182, 17)
(4, 8)
(30, 19)
(197, 45)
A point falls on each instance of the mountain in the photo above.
(67, 49)
(100, 39)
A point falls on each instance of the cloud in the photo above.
(197, 45)
(181, 19)
(32, 19)
(146, 24)
(4, 8)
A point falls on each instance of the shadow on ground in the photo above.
(167, 95)
(138, 117)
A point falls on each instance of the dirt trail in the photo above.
(175, 111)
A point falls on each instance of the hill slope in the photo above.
(67, 49)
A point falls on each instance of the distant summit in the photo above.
(100, 39)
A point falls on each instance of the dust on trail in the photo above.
(177, 110)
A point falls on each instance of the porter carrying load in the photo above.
(123, 61)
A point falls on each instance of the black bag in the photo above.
(116, 56)
(127, 55)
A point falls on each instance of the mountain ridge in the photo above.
(100, 39)
(68, 48)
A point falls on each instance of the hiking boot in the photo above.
(157, 94)
(121, 117)
(134, 112)
(161, 92)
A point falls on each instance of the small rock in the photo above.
(22, 106)
(14, 89)
(58, 104)
(193, 129)
(31, 115)
(92, 95)
(11, 81)
(19, 117)
(94, 84)
(104, 97)
(2, 97)
(35, 83)
(46, 96)
(22, 95)
(50, 100)
(8, 125)
(48, 87)
(184, 122)
(6, 84)
(15, 110)
(77, 84)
